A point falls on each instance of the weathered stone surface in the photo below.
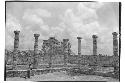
(35, 62)
(16, 40)
(79, 45)
(115, 44)
(94, 44)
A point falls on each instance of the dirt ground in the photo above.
(62, 76)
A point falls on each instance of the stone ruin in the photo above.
(53, 47)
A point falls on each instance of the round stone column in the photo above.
(35, 63)
(16, 40)
(94, 44)
(79, 50)
(115, 44)
(16, 46)
(65, 50)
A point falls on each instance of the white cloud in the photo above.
(32, 19)
(42, 13)
(9, 41)
(84, 22)
(12, 24)
(35, 16)
(33, 22)
(39, 12)
(94, 5)
(85, 13)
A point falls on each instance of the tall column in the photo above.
(16, 45)
(51, 50)
(35, 63)
(16, 40)
(115, 53)
(79, 45)
(44, 46)
(65, 50)
(115, 44)
(79, 50)
(94, 44)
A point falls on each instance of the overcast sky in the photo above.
(63, 20)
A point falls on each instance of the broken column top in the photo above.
(65, 39)
(16, 32)
(94, 36)
(36, 35)
(79, 37)
(115, 33)
(44, 40)
(51, 37)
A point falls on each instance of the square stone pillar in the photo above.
(35, 62)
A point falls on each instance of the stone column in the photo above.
(16, 40)
(65, 50)
(16, 45)
(94, 44)
(115, 53)
(35, 63)
(51, 49)
(52, 38)
(79, 45)
(44, 46)
(45, 53)
(115, 44)
(79, 50)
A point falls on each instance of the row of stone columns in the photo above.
(115, 44)
(16, 45)
(94, 45)
(35, 63)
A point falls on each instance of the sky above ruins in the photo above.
(63, 20)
